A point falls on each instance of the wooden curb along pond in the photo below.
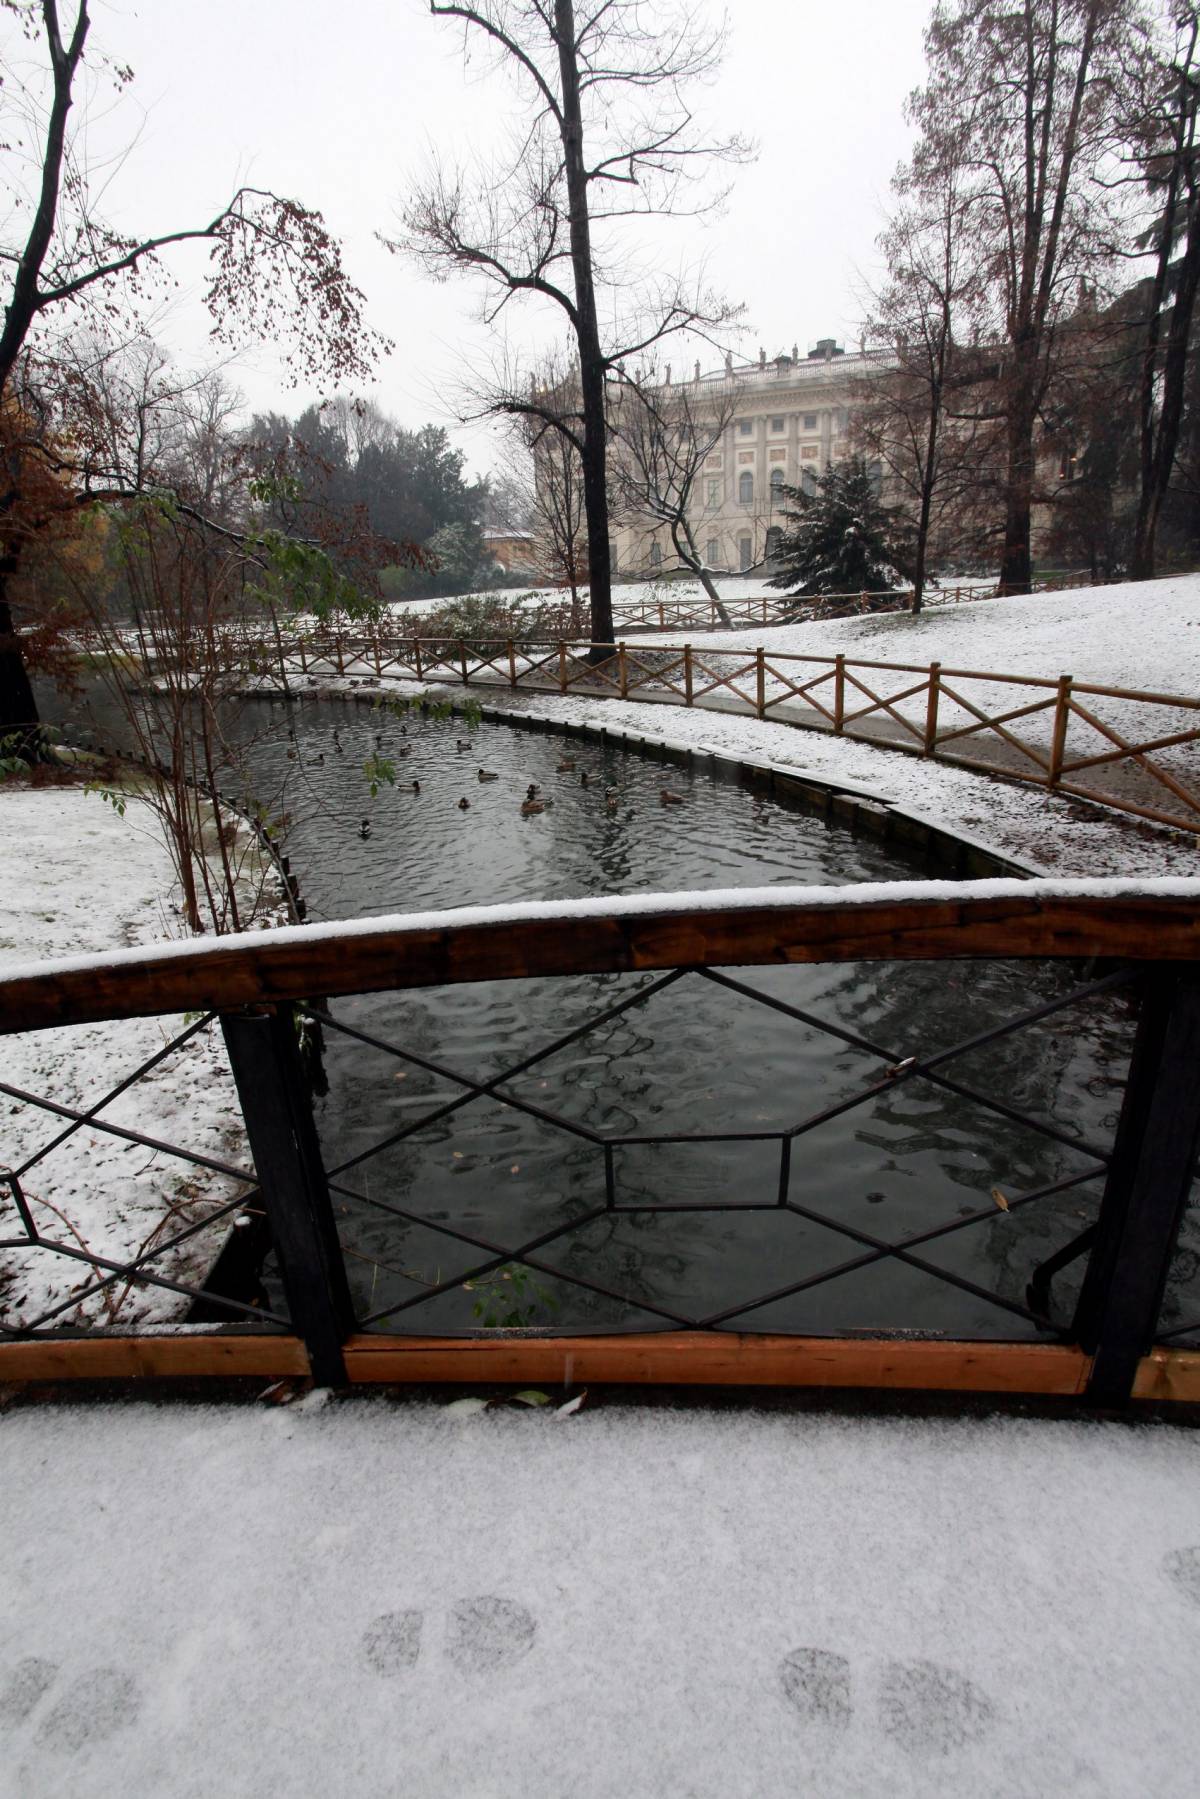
(252, 981)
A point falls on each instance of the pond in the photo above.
(581, 1149)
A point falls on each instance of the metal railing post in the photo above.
(839, 692)
(1148, 1184)
(931, 709)
(271, 1087)
(1062, 715)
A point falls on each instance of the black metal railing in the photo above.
(1130, 1183)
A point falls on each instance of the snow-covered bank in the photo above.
(371, 1598)
(1143, 635)
(76, 878)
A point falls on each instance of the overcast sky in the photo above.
(340, 105)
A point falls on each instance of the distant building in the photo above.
(513, 550)
(789, 418)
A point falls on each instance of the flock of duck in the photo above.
(533, 803)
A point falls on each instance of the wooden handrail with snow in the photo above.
(907, 921)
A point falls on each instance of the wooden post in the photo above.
(462, 661)
(839, 692)
(760, 682)
(417, 656)
(337, 645)
(1062, 717)
(1148, 1184)
(303, 657)
(512, 664)
(624, 671)
(687, 674)
(562, 668)
(661, 620)
(287, 1159)
(931, 710)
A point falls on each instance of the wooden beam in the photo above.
(299, 961)
(722, 1358)
(1169, 1374)
(192, 1355)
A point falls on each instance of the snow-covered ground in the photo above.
(76, 878)
(371, 1598)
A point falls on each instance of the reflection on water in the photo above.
(692, 1057)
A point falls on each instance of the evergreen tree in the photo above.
(841, 538)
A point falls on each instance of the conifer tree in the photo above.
(842, 538)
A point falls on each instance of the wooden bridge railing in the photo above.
(1117, 747)
(1105, 1352)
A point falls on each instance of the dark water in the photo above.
(689, 1059)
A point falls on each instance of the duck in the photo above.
(583, 779)
(532, 791)
(566, 767)
(404, 730)
(460, 746)
(530, 807)
(464, 804)
(337, 744)
(611, 801)
(670, 799)
(379, 740)
(364, 829)
(317, 761)
(416, 787)
(404, 750)
(487, 775)
(291, 755)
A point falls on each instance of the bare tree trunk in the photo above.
(587, 330)
(1016, 566)
(18, 708)
(691, 556)
(1159, 464)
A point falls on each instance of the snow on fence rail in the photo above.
(1111, 1344)
(1118, 747)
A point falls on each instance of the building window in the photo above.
(875, 476)
(745, 426)
(655, 554)
(808, 482)
(714, 493)
(745, 487)
(777, 424)
(810, 421)
(712, 553)
(612, 555)
(745, 553)
(809, 452)
(776, 486)
(774, 539)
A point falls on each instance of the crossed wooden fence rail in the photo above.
(1112, 1346)
(923, 708)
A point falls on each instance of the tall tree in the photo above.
(843, 538)
(274, 271)
(1026, 100)
(1168, 129)
(611, 140)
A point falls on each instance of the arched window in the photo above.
(808, 482)
(745, 552)
(776, 486)
(655, 554)
(774, 539)
(745, 487)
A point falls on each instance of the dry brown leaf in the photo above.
(999, 1199)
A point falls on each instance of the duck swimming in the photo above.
(485, 775)
(670, 799)
(464, 804)
(530, 807)
(364, 829)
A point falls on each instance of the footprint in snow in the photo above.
(1182, 1569)
(92, 1708)
(483, 1635)
(925, 1707)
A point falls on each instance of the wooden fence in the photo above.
(1111, 1346)
(1113, 746)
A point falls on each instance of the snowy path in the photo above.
(377, 1598)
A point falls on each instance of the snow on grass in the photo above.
(75, 878)
(364, 1597)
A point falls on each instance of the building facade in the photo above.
(785, 420)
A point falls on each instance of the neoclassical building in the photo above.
(786, 420)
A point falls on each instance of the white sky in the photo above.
(340, 106)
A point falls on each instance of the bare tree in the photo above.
(1025, 102)
(274, 271)
(664, 434)
(611, 140)
(921, 321)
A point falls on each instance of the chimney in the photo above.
(762, 357)
(697, 368)
(795, 352)
(668, 374)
